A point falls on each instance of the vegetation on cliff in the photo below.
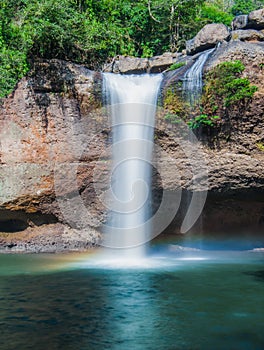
(226, 92)
(225, 87)
(90, 31)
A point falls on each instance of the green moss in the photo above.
(174, 105)
(260, 146)
(176, 65)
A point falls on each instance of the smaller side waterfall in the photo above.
(131, 100)
(193, 83)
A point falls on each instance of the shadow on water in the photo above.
(259, 275)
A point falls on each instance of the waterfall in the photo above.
(192, 82)
(131, 101)
(192, 91)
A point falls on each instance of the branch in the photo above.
(150, 13)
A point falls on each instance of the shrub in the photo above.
(224, 87)
(203, 120)
(13, 66)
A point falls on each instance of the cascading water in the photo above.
(131, 100)
(192, 91)
(193, 82)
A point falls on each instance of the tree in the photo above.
(245, 6)
(177, 19)
(210, 13)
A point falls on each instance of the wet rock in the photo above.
(54, 156)
(250, 53)
(235, 161)
(209, 36)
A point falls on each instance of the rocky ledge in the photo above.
(136, 65)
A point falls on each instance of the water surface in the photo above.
(175, 301)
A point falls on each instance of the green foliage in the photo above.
(260, 146)
(175, 21)
(176, 65)
(224, 86)
(203, 120)
(174, 105)
(245, 6)
(91, 31)
(13, 66)
(211, 13)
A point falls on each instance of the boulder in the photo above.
(239, 22)
(256, 19)
(158, 64)
(209, 36)
(127, 65)
(247, 35)
(136, 65)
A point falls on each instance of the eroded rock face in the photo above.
(233, 159)
(52, 135)
(209, 36)
(52, 238)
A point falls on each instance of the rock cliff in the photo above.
(51, 139)
(54, 152)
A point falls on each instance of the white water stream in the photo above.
(193, 82)
(131, 100)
